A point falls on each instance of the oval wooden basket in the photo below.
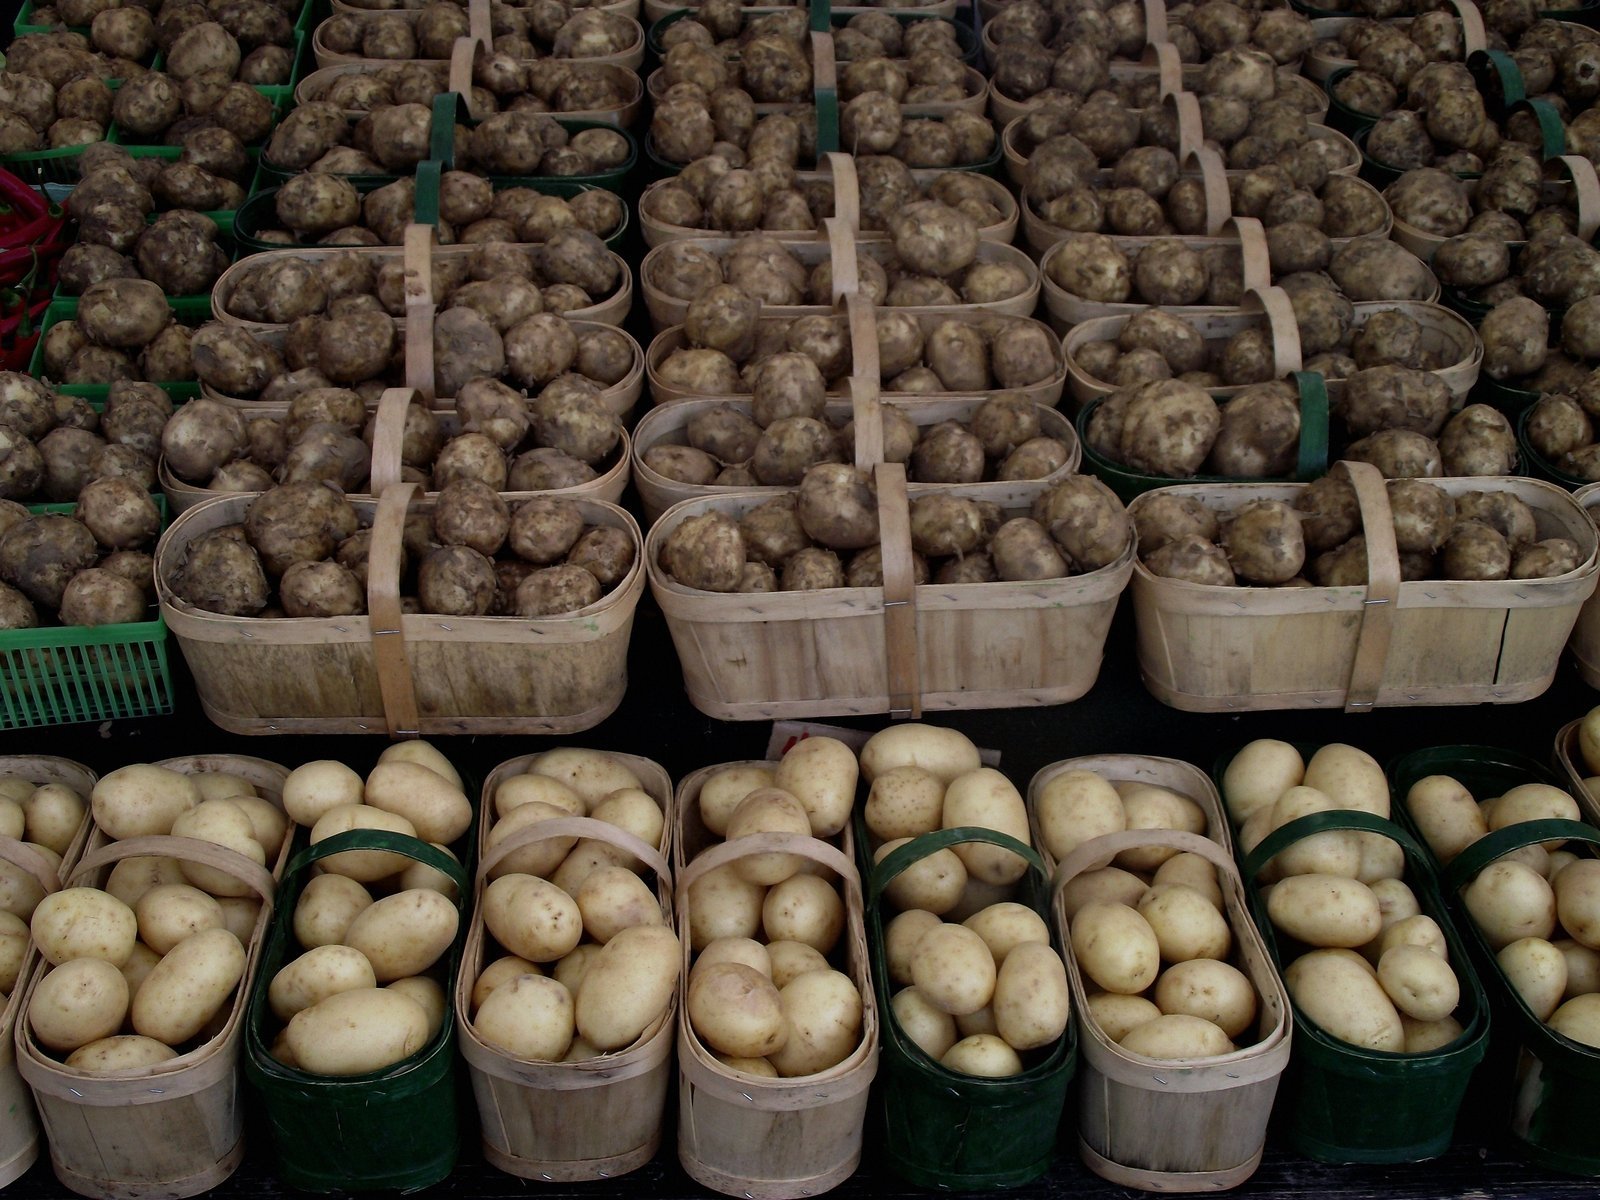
(1585, 640)
(1230, 649)
(596, 1118)
(973, 82)
(630, 57)
(403, 675)
(1318, 66)
(175, 1129)
(1581, 192)
(1569, 760)
(668, 425)
(624, 8)
(657, 10)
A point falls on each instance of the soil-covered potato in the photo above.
(705, 552)
(1504, 512)
(1547, 559)
(1423, 515)
(1394, 398)
(456, 581)
(1191, 558)
(1516, 337)
(1091, 266)
(725, 433)
(1087, 520)
(119, 513)
(1557, 425)
(1163, 518)
(837, 507)
(1168, 428)
(40, 554)
(1022, 551)
(772, 531)
(1331, 515)
(1264, 543)
(943, 524)
(1398, 454)
(1478, 440)
(1475, 551)
(298, 522)
(1472, 260)
(321, 589)
(1259, 434)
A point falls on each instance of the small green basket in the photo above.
(1340, 115)
(943, 1130)
(193, 311)
(1540, 466)
(395, 1129)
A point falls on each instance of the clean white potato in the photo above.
(986, 798)
(313, 788)
(1117, 1014)
(423, 876)
(364, 866)
(169, 913)
(530, 1017)
(327, 905)
(748, 951)
(1446, 814)
(944, 753)
(502, 969)
(138, 967)
(1192, 871)
(518, 790)
(13, 824)
(1577, 891)
(531, 917)
(1111, 885)
(1509, 900)
(122, 1052)
(429, 993)
(935, 882)
(1216, 991)
(932, 1031)
(13, 949)
(953, 969)
(188, 986)
(984, 1055)
(1186, 924)
(571, 967)
(1340, 992)
(724, 790)
(540, 857)
(1149, 807)
(133, 877)
(316, 975)
(79, 1002)
(1325, 910)
(1534, 802)
(1396, 900)
(425, 754)
(636, 811)
(981, 1021)
(1583, 967)
(1261, 772)
(790, 959)
(723, 904)
(84, 922)
(223, 823)
(769, 810)
(438, 810)
(1331, 852)
(356, 1033)
(592, 774)
(1537, 971)
(1007, 925)
(736, 1010)
(628, 986)
(1351, 776)
(821, 773)
(822, 1011)
(904, 802)
(1073, 807)
(1115, 947)
(1579, 1019)
(222, 785)
(1031, 999)
(52, 815)
(805, 909)
(268, 823)
(1419, 982)
(404, 934)
(613, 899)
(1424, 1037)
(139, 800)
(1177, 1037)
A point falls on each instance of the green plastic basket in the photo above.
(941, 1129)
(224, 223)
(1540, 466)
(395, 1129)
(1341, 116)
(193, 311)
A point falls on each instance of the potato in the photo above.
(1332, 852)
(131, 878)
(1074, 806)
(1537, 971)
(1534, 802)
(1325, 910)
(1577, 891)
(952, 967)
(357, 1032)
(224, 824)
(52, 814)
(1118, 1015)
(530, 1017)
(1216, 991)
(934, 883)
(723, 904)
(129, 1052)
(1148, 807)
(747, 951)
(172, 912)
(933, 1031)
(77, 1003)
(1342, 996)
(736, 1010)
(138, 800)
(404, 934)
(316, 975)
(613, 898)
(1258, 774)
(769, 810)
(187, 988)
(1176, 1037)
(984, 1055)
(1510, 900)
(439, 811)
(823, 1016)
(804, 909)
(902, 802)
(986, 798)
(1579, 1019)
(1419, 982)
(821, 773)
(531, 917)
(1031, 1001)
(944, 753)
(1185, 923)
(84, 922)
(1352, 775)
(1115, 946)
(325, 909)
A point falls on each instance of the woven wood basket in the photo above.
(401, 675)
(592, 1119)
(1571, 763)
(1585, 640)
(973, 82)
(1319, 64)
(630, 57)
(1224, 649)
(315, 86)
(175, 1129)
(1579, 190)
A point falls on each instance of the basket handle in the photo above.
(842, 258)
(846, 189)
(388, 436)
(578, 827)
(1499, 79)
(1213, 179)
(430, 181)
(1585, 190)
(1191, 132)
(902, 858)
(866, 414)
(384, 839)
(1333, 820)
(863, 338)
(387, 630)
(1088, 855)
(1253, 251)
(195, 850)
(418, 258)
(1474, 37)
(821, 16)
(463, 56)
(1552, 132)
(1383, 588)
(1156, 36)
(802, 844)
(1282, 328)
(25, 858)
(1313, 460)
(825, 84)
(1466, 866)
(900, 643)
(480, 26)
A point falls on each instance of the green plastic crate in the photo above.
(193, 311)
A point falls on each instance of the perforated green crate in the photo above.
(192, 311)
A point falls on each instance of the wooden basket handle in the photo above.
(802, 844)
(389, 659)
(480, 25)
(1213, 179)
(1474, 36)
(1155, 29)
(578, 827)
(1253, 252)
(25, 858)
(388, 436)
(1586, 192)
(864, 359)
(463, 57)
(846, 189)
(842, 258)
(866, 412)
(1191, 130)
(1383, 588)
(901, 659)
(1282, 328)
(419, 308)
(825, 85)
(186, 849)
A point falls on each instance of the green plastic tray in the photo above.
(394, 1129)
(1540, 466)
(944, 1130)
(187, 310)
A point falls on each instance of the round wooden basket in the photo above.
(630, 57)
(596, 1118)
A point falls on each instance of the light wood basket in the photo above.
(897, 649)
(1228, 649)
(1570, 762)
(175, 1129)
(668, 425)
(1580, 190)
(655, 10)
(630, 57)
(770, 1139)
(1585, 640)
(404, 675)
(315, 86)
(560, 1122)
(1318, 65)
(626, 8)
(974, 82)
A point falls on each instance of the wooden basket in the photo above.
(175, 1129)
(1581, 190)
(656, 10)
(1227, 649)
(560, 1122)
(1570, 762)
(315, 86)
(401, 675)
(898, 649)
(630, 57)
(626, 8)
(975, 84)
(1585, 640)
(668, 425)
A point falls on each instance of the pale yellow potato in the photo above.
(220, 785)
(133, 877)
(592, 774)
(1251, 834)
(934, 882)
(1577, 891)
(1007, 925)
(1074, 806)
(1537, 971)
(1424, 1037)
(821, 773)
(1579, 1019)
(422, 875)
(540, 857)
(723, 790)
(427, 992)
(438, 810)
(953, 969)
(981, 1021)
(1186, 924)
(723, 904)
(789, 959)
(169, 913)
(327, 905)
(268, 823)
(1325, 910)
(404, 934)
(512, 793)
(1031, 1000)
(1589, 740)
(1510, 900)
(13, 824)
(20, 892)
(425, 754)
(530, 1017)
(1115, 947)
(805, 909)
(1534, 802)
(759, 1067)
(628, 986)
(636, 811)
(588, 855)
(14, 787)
(736, 1010)
(1419, 982)
(531, 917)
(1216, 991)
(1261, 772)
(1192, 871)
(1177, 1037)
(1583, 967)
(986, 798)
(1341, 993)
(1535, 857)
(280, 1049)
(138, 967)
(356, 1033)
(571, 967)
(1117, 1014)
(933, 1032)
(1446, 814)
(1332, 852)
(84, 922)
(316, 975)
(580, 1050)
(734, 949)
(188, 986)
(1351, 776)
(13, 949)
(223, 823)
(1149, 807)
(52, 815)
(1420, 930)
(313, 788)
(822, 1011)
(140, 799)
(944, 753)
(977, 896)
(1558, 861)
(1381, 858)
(904, 802)
(123, 1052)
(613, 899)
(504, 968)
(1396, 900)
(984, 1055)
(364, 866)
(900, 938)
(1110, 885)
(768, 810)
(77, 1003)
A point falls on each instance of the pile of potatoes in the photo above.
(46, 818)
(51, 445)
(1509, 203)
(123, 331)
(1174, 428)
(1361, 960)
(582, 961)
(1560, 428)
(1317, 540)
(978, 985)
(1517, 352)
(159, 946)
(365, 992)
(784, 433)
(765, 194)
(500, 82)
(765, 996)
(794, 542)
(1534, 906)
(520, 33)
